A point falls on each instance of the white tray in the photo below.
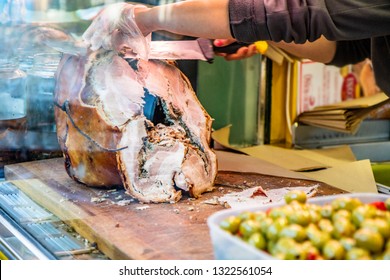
(229, 247)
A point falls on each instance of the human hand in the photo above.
(114, 28)
(243, 52)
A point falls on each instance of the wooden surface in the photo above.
(136, 231)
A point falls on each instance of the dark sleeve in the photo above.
(351, 52)
(301, 20)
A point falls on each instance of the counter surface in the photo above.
(123, 228)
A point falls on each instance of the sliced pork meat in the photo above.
(110, 135)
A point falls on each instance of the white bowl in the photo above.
(229, 247)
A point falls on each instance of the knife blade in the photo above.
(199, 49)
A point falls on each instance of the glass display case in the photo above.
(27, 121)
(47, 210)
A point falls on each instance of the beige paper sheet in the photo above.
(354, 177)
(334, 166)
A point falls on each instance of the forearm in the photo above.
(321, 50)
(187, 18)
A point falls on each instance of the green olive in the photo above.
(249, 227)
(343, 227)
(296, 205)
(386, 216)
(387, 245)
(326, 211)
(290, 249)
(246, 215)
(314, 207)
(333, 250)
(275, 228)
(288, 209)
(296, 195)
(378, 225)
(325, 225)
(355, 202)
(271, 248)
(386, 255)
(360, 213)
(280, 212)
(300, 217)
(348, 243)
(312, 227)
(346, 203)
(257, 240)
(357, 254)
(369, 239)
(260, 215)
(264, 225)
(387, 204)
(294, 231)
(318, 238)
(231, 224)
(380, 214)
(315, 215)
(342, 213)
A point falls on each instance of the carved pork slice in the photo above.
(108, 139)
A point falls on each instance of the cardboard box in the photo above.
(319, 84)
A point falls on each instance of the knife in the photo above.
(199, 49)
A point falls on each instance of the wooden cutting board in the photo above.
(124, 229)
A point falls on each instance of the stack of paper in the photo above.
(345, 116)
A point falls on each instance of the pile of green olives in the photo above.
(344, 229)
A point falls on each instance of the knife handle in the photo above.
(229, 49)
